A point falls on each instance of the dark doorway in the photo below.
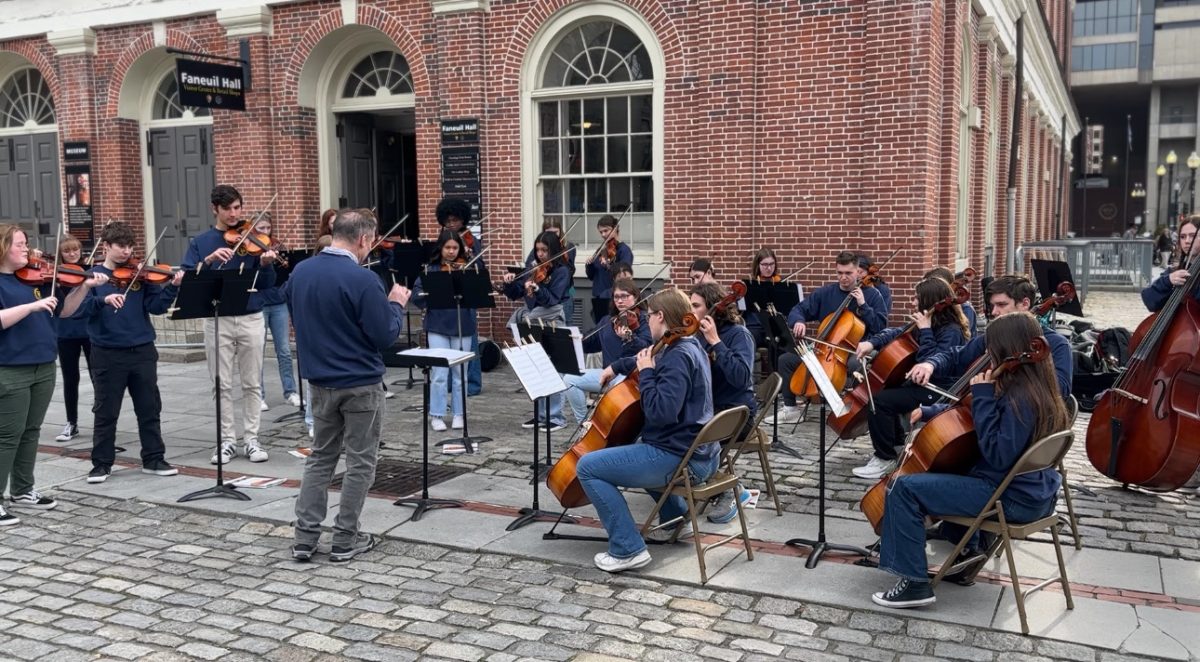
(183, 175)
(30, 187)
(379, 156)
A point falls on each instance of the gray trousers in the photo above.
(343, 418)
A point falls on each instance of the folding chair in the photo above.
(757, 440)
(1046, 453)
(722, 427)
(1073, 411)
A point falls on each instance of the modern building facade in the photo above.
(809, 127)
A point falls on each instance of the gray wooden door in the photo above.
(183, 175)
(30, 186)
(356, 134)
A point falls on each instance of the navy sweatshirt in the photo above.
(602, 281)
(1156, 294)
(929, 342)
(969, 313)
(1005, 429)
(203, 244)
(550, 293)
(31, 341)
(732, 372)
(826, 299)
(611, 346)
(343, 320)
(130, 326)
(885, 291)
(444, 321)
(572, 251)
(677, 399)
(69, 328)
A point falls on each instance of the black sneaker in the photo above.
(905, 595)
(34, 499)
(99, 474)
(7, 518)
(530, 424)
(971, 562)
(553, 427)
(68, 432)
(159, 467)
(341, 554)
(303, 552)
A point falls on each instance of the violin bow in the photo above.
(796, 272)
(652, 281)
(539, 265)
(91, 259)
(477, 256)
(249, 228)
(142, 264)
(388, 233)
(616, 227)
(54, 277)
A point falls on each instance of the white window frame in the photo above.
(967, 95)
(20, 65)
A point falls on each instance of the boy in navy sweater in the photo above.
(343, 321)
(123, 354)
(866, 303)
(597, 267)
(242, 336)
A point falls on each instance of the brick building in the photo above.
(807, 126)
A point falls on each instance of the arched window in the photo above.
(966, 103)
(25, 100)
(380, 73)
(595, 107)
(167, 105)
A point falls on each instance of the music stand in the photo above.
(767, 300)
(540, 380)
(427, 359)
(1049, 274)
(455, 290)
(565, 352)
(828, 396)
(213, 293)
(408, 261)
(282, 274)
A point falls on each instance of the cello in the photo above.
(616, 421)
(1145, 429)
(837, 338)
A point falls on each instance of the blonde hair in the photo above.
(68, 243)
(8, 233)
(673, 304)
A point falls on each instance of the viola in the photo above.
(947, 443)
(617, 420)
(468, 238)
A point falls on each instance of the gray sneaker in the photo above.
(724, 510)
(343, 553)
(663, 536)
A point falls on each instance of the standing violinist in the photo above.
(935, 332)
(324, 239)
(122, 337)
(242, 336)
(864, 268)
(447, 329)
(1010, 410)
(612, 250)
(676, 398)
(27, 349)
(702, 271)
(622, 333)
(554, 224)
(276, 320)
(865, 303)
(1156, 294)
(453, 214)
(72, 341)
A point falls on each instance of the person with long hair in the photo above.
(935, 332)
(447, 329)
(614, 338)
(702, 271)
(27, 350)
(1176, 273)
(276, 320)
(454, 214)
(676, 393)
(1011, 410)
(764, 268)
(968, 310)
(555, 224)
(72, 341)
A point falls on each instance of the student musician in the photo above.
(621, 270)
(702, 271)
(730, 347)
(612, 250)
(1156, 294)
(72, 341)
(1010, 411)
(123, 353)
(676, 394)
(764, 268)
(27, 350)
(935, 332)
(865, 302)
(967, 309)
(447, 329)
(453, 214)
(276, 320)
(622, 333)
(554, 224)
(864, 265)
(242, 336)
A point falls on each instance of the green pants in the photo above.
(25, 392)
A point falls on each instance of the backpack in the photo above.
(1112, 346)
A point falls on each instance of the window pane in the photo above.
(548, 115)
(550, 156)
(572, 154)
(593, 155)
(597, 194)
(573, 126)
(575, 202)
(640, 156)
(618, 112)
(643, 194)
(641, 114)
(593, 116)
(619, 192)
(618, 154)
(552, 198)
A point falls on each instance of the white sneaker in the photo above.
(457, 423)
(227, 453)
(255, 453)
(312, 433)
(875, 468)
(388, 395)
(609, 563)
(787, 414)
(664, 535)
(293, 399)
(263, 405)
(437, 423)
(68, 432)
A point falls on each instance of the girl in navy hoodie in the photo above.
(1011, 411)
(447, 329)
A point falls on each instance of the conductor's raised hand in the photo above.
(400, 294)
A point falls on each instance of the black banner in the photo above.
(460, 163)
(79, 204)
(76, 151)
(208, 85)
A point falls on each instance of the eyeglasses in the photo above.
(765, 263)
(622, 295)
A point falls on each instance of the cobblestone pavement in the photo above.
(130, 580)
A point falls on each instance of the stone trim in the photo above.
(77, 41)
(245, 21)
(454, 6)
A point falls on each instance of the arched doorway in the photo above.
(30, 188)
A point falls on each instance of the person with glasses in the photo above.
(622, 333)
(1155, 296)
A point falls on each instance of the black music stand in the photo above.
(282, 273)
(408, 261)
(560, 345)
(767, 299)
(1049, 274)
(827, 394)
(213, 293)
(455, 290)
(427, 359)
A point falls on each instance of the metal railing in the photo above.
(1116, 264)
(177, 333)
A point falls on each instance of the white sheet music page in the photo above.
(828, 392)
(534, 370)
(577, 341)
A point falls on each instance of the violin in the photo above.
(40, 271)
(388, 243)
(457, 265)
(542, 273)
(69, 275)
(468, 239)
(124, 274)
(617, 420)
(34, 272)
(256, 243)
(626, 318)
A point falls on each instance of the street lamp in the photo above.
(1172, 199)
(1161, 171)
(1193, 162)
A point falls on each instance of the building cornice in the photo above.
(457, 6)
(246, 21)
(76, 41)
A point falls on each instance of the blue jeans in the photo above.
(308, 415)
(578, 386)
(474, 369)
(637, 465)
(275, 319)
(437, 386)
(912, 497)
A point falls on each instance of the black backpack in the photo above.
(1112, 346)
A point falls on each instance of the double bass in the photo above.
(1145, 429)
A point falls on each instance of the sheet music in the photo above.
(452, 357)
(534, 370)
(817, 373)
(577, 341)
